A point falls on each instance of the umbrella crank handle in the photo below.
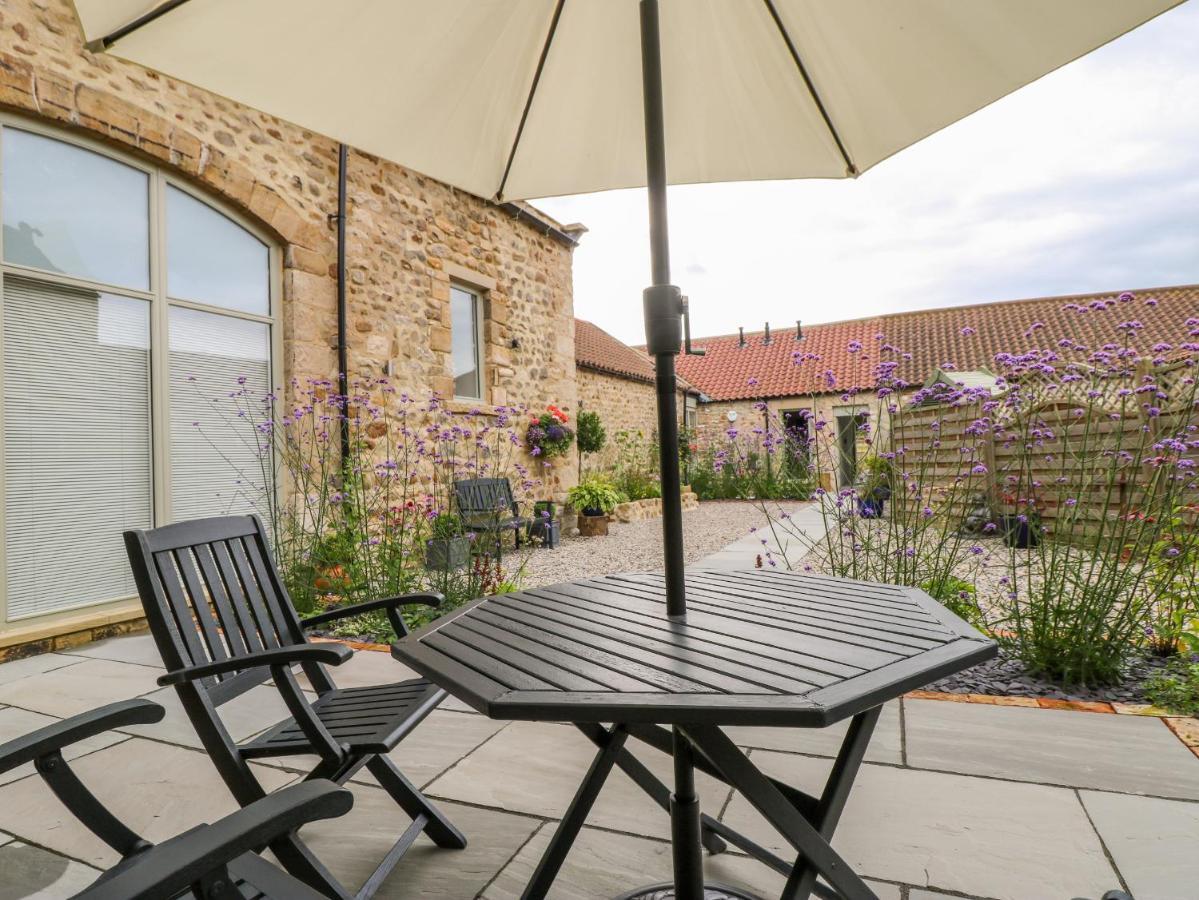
(685, 307)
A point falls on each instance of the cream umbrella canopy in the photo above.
(515, 99)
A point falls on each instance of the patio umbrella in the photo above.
(514, 100)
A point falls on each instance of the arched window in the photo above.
(128, 305)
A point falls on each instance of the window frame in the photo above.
(479, 309)
(159, 177)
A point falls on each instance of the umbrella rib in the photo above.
(524, 116)
(141, 21)
(815, 95)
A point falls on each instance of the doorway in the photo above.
(847, 447)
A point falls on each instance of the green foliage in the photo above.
(590, 436)
(1174, 581)
(635, 472)
(446, 525)
(1177, 690)
(730, 472)
(957, 595)
(594, 494)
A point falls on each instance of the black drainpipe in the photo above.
(343, 364)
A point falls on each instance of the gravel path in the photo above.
(637, 546)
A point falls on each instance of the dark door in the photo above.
(847, 445)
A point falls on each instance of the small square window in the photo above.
(466, 334)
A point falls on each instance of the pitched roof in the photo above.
(598, 350)
(962, 337)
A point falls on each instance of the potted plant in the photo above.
(448, 548)
(875, 487)
(548, 434)
(1021, 530)
(594, 498)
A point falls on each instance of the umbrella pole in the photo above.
(663, 304)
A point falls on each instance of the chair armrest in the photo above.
(329, 654)
(386, 603)
(51, 738)
(176, 864)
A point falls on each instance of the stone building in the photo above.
(617, 381)
(824, 371)
(154, 233)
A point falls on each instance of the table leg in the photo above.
(576, 814)
(833, 799)
(777, 809)
(657, 791)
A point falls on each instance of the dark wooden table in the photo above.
(757, 647)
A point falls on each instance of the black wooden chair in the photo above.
(224, 623)
(487, 505)
(209, 862)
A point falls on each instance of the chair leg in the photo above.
(414, 803)
(294, 855)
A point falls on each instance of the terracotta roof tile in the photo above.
(933, 337)
(596, 349)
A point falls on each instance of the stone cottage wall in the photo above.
(623, 404)
(408, 235)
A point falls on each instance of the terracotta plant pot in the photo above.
(593, 526)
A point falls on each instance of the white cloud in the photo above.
(1086, 180)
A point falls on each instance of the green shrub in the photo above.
(957, 595)
(1177, 690)
(593, 494)
(635, 473)
(590, 436)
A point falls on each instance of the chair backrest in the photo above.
(484, 495)
(211, 592)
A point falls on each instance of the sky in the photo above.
(1084, 181)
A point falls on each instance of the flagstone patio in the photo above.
(955, 799)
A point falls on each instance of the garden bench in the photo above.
(488, 505)
(209, 862)
(223, 622)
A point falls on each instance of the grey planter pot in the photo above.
(447, 554)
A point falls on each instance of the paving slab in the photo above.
(917, 894)
(158, 790)
(15, 723)
(353, 845)
(1130, 754)
(366, 668)
(976, 836)
(535, 768)
(135, 648)
(605, 864)
(1152, 841)
(4, 838)
(31, 873)
(885, 746)
(18, 669)
(78, 688)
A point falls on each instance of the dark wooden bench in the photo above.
(487, 505)
(223, 622)
(209, 862)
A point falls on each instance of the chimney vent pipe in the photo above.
(741, 339)
(766, 339)
(798, 330)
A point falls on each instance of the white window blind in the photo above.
(217, 468)
(77, 464)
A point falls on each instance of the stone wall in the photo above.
(623, 404)
(408, 235)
